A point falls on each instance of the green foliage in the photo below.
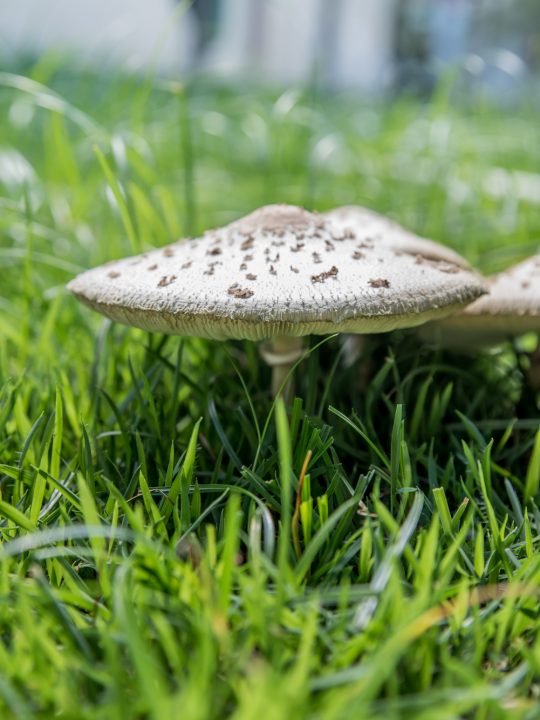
(173, 544)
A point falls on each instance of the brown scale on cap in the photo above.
(379, 283)
(236, 291)
(214, 251)
(247, 244)
(243, 266)
(251, 276)
(357, 255)
(186, 265)
(316, 258)
(211, 267)
(153, 267)
(166, 280)
(332, 273)
(168, 252)
(447, 268)
(113, 274)
(440, 265)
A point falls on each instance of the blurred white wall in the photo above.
(365, 49)
(349, 43)
(291, 48)
(232, 52)
(132, 33)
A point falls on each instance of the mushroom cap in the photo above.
(511, 308)
(384, 232)
(280, 271)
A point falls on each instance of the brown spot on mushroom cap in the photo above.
(153, 267)
(247, 244)
(113, 274)
(379, 283)
(448, 268)
(214, 251)
(251, 276)
(238, 292)
(332, 273)
(440, 265)
(166, 280)
(168, 252)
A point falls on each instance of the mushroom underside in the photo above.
(216, 327)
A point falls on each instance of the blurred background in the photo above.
(373, 46)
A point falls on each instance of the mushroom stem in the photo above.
(281, 353)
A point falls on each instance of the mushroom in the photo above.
(375, 229)
(511, 308)
(277, 274)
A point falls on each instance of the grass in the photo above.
(166, 549)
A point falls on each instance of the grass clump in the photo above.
(172, 543)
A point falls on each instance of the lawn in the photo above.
(157, 560)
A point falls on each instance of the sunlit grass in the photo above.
(159, 557)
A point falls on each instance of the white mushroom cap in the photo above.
(280, 271)
(511, 308)
(371, 226)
